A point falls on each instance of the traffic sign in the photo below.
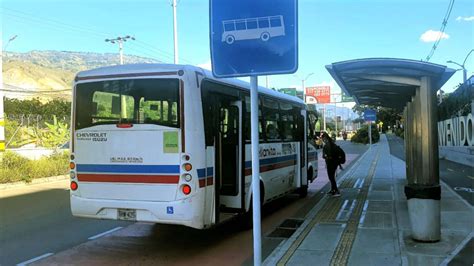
(346, 98)
(250, 38)
(370, 115)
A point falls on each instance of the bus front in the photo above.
(126, 158)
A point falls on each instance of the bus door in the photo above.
(229, 158)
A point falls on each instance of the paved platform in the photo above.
(369, 223)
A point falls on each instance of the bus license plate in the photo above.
(127, 214)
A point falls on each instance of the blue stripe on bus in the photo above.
(263, 162)
(202, 172)
(146, 169)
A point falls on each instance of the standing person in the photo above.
(329, 154)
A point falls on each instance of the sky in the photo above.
(329, 31)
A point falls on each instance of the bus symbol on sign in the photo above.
(262, 28)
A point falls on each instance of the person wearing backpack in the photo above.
(334, 157)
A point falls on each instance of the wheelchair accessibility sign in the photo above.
(251, 37)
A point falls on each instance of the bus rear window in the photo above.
(135, 101)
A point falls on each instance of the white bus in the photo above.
(262, 28)
(170, 144)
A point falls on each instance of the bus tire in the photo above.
(303, 191)
(229, 39)
(265, 36)
(247, 218)
(310, 174)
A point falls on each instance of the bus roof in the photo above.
(125, 71)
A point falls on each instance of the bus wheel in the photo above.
(310, 174)
(303, 191)
(265, 36)
(247, 218)
(229, 39)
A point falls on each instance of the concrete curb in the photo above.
(283, 247)
(35, 181)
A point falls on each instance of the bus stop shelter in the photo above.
(409, 86)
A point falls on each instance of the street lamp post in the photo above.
(120, 41)
(2, 114)
(302, 85)
(8, 42)
(464, 70)
(175, 31)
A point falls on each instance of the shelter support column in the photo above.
(423, 191)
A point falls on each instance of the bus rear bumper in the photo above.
(182, 212)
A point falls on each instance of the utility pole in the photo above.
(2, 119)
(120, 41)
(175, 32)
(464, 70)
(302, 85)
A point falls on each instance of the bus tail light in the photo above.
(74, 186)
(124, 125)
(187, 167)
(187, 177)
(186, 189)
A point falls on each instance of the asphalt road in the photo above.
(458, 176)
(36, 221)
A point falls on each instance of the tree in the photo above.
(388, 116)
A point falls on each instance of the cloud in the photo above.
(433, 35)
(471, 18)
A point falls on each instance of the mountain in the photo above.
(43, 73)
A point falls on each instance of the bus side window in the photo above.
(247, 128)
(286, 121)
(298, 129)
(271, 119)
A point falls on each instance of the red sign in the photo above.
(322, 94)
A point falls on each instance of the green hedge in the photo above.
(362, 135)
(400, 133)
(18, 168)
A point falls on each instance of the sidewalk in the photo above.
(369, 224)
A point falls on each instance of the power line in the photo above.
(441, 30)
(58, 25)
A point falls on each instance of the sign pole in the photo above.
(324, 117)
(257, 243)
(370, 134)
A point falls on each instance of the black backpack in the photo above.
(340, 155)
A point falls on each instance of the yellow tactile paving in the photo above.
(343, 249)
(327, 214)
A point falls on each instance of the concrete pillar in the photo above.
(423, 191)
(408, 142)
(418, 131)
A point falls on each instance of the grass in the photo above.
(17, 168)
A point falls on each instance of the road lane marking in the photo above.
(105, 233)
(465, 189)
(471, 177)
(34, 259)
(451, 170)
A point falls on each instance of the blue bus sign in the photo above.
(370, 115)
(250, 38)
